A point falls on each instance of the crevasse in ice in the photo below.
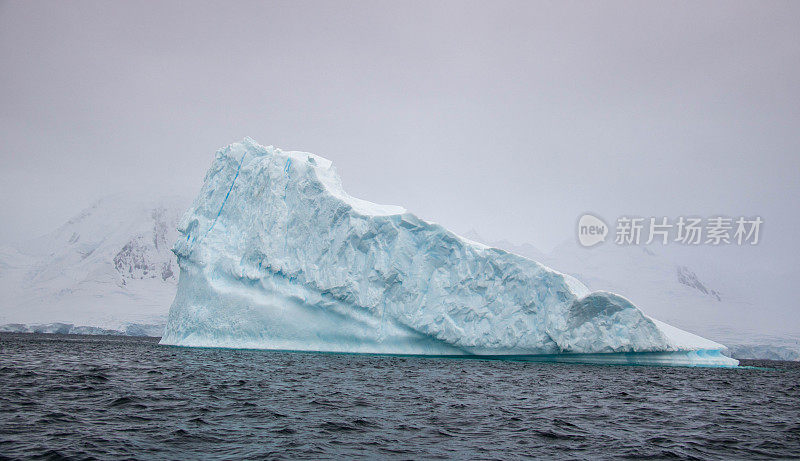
(274, 254)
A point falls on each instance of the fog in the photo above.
(507, 118)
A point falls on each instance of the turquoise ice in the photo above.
(276, 255)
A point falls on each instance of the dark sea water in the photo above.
(116, 397)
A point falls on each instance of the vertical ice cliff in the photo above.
(274, 254)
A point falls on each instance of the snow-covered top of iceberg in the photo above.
(326, 174)
(276, 254)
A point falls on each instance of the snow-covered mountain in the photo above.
(108, 269)
(708, 299)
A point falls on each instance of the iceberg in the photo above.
(274, 254)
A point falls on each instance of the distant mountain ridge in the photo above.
(107, 269)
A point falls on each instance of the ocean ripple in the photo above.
(120, 397)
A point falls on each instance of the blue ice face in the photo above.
(278, 256)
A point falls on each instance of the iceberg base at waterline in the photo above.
(274, 254)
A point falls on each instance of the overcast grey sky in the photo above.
(510, 118)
